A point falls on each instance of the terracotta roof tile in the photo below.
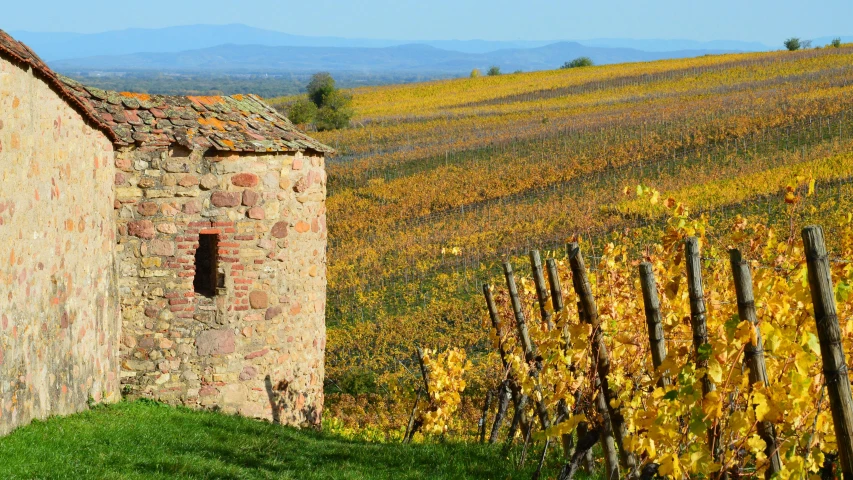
(238, 123)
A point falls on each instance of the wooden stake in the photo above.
(657, 344)
(589, 312)
(510, 382)
(504, 395)
(831, 350)
(700, 327)
(568, 440)
(410, 427)
(517, 420)
(608, 443)
(518, 312)
(586, 441)
(587, 462)
(529, 350)
(754, 352)
(496, 321)
(554, 283)
(482, 425)
(541, 288)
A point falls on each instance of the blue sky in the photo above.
(753, 20)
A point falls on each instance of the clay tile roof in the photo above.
(18, 53)
(236, 123)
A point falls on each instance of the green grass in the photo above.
(136, 440)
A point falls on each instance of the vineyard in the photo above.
(439, 184)
(720, 374)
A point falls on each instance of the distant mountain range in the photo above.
(238, 49)
(61, 46)
(404, 58)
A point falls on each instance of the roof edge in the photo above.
(44, 73)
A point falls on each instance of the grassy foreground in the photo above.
(148, 440)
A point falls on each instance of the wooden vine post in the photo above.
(410, 426)
(526, 343)
(554, 283)
(557, 303)
(585, 457)
(508, 388)
(496, 321)
(589, 312)
(542, 291)
(651, 304)
(831, 350)
(482, 425)
(504, 395)
(754, 352)
(586, 441)
(608, 438)
(700, 327)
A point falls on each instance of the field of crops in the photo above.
(437, 183)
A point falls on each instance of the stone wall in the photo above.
(257, 346)
(59, 321)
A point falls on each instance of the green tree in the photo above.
(302, 111)
(321, 85)
(336, 111)
(475, 73)
(836, 42)
(792, 44)
(494, 71)
(579, 62)
(332, 108)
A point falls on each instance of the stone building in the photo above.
(169, 247)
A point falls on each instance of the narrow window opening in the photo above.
(206, 265)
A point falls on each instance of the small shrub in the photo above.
(324, 105)
(475, 73)
(836, 42)
(302, 111)
(494, 71)
(579, 62)
(792, 44)
(336, 111)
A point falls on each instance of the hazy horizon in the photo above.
(404, 39)
(500, 20)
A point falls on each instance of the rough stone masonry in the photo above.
(170, 247)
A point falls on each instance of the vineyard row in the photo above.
(475, 270)
(644, 79)
(795, 134)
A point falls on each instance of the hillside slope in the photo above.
(439, 181)
(144, 440)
